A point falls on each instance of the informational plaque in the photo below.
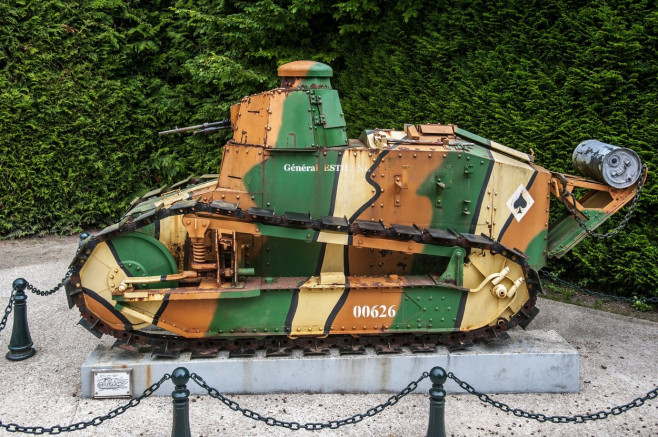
(112, 383)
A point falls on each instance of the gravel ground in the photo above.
(617, 365)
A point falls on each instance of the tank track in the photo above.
(171, 345)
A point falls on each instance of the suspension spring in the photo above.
(199, 252)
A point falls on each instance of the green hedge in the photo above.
(85, 86)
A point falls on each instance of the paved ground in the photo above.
(617, 365)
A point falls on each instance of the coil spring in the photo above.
(198, 252)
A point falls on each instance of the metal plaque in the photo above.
(112, 383)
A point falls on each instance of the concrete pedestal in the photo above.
(529, 362)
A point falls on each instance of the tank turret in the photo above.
(303, 113)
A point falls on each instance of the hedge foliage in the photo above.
(86, 85)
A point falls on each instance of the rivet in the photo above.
(399, 155)
(429, 155)
(414, 155)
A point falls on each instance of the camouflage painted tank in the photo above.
(426, 235)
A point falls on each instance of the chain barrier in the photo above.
(568, 284)
(311, 426)
(35, 290)
(578, 418)
(96, 421)
(573, 211)
(8, 310)
(53, 290)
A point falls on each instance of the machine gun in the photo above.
(205, 128)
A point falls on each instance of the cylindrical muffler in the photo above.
(618, 167)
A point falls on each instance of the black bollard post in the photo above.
(436, 426)
(181, 396)
(20, 345)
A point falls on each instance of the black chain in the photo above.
(33, 289)
(568, 284)
(573, 211)
(58, 429)
(53, 290)
(578, 418)
(10, 306)
(311, 426)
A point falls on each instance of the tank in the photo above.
(420, 236)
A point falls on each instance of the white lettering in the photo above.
(375, 311)
(327, 167)
(299, 168)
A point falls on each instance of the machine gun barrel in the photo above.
(204, 128)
